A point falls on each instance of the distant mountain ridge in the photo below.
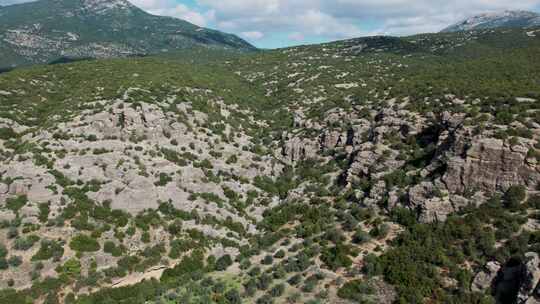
(45, 30)
(508, 18)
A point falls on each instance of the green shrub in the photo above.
(84, 243)
(361, 237)
(514, 196)
(355, 290)
(277, 290)
(71, 268)
(111, 248)
(49, 249)
(188, 266)
(223, 262)
(164, 179)
(16, 203)
(337, 256)
(233, 297)
(267, 260)
(44, 210)
(25, 243)
(534, 202)
(7, 133)
(279, 254)
(14, 261)
(233, 159)
(380, 231)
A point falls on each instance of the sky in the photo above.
(280, 23)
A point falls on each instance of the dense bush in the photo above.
(7, 134)
(514, 196)
(355, 290)
(84, 243)
(337, 256)
(110, 247)
(49, 249)
(413, 264)
(188, 266)
(16, 203)
(223, 262)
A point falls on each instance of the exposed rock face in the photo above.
(27, 179)
(3, 188)
(484, 279)
(457, 160)
(489, 165)
(19, 187)
(529, 291)
(362, 163)
(431, 208)
(332, 139)
(297, 149)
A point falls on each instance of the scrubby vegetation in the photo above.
(313, 174)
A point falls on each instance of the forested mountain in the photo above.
(48, 30)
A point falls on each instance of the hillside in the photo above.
(506, 19)
(46, 30)
(370, 170)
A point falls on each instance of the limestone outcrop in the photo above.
(490, 165)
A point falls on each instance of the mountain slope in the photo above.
(521, 19)
(42, 31)
(372, 170)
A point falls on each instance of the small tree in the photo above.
(277, 290)
(514, 196)
(223, 262)
(233, 297)
(84, 243)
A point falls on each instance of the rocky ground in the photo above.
(362, 171)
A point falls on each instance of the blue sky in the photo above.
(280, 23)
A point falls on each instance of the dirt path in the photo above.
(137, 277)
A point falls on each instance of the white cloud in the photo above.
(297, 36)
(173, 9)
(255, 35)
(319, 23)
(349, 18)
(303, 20)
(183, 12)
(401, 17)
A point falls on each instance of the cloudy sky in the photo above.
(277, 23)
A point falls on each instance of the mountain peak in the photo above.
(104, 5)
(46, 30)
(506, 18)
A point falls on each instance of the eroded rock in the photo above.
(489, 165)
